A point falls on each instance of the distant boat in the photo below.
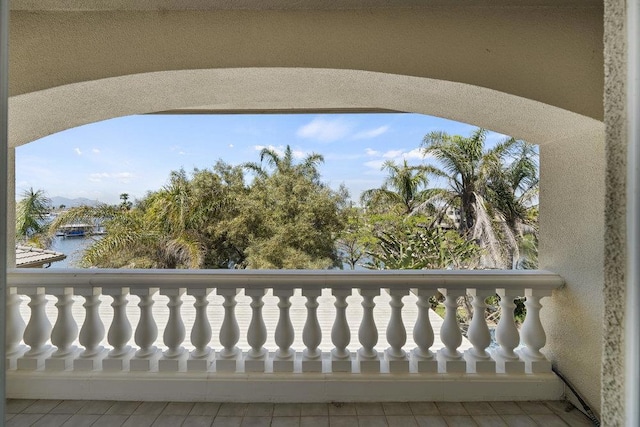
(75, 230)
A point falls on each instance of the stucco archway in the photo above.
(37, 114)
(572, 157)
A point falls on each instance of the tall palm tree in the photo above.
(284, 164)
(405, 186)
(31, 217)
(514, 193)
(158, 233)
(491, 187)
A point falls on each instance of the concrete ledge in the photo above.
(274, 387)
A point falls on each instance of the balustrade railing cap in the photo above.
(282, 279)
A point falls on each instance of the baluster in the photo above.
(119, 334)
(533, 335)
(228, 357)
(396, 333)
(368, 333)
(507, 361)
(285, 356)
(64, 332)
(15, 329)
(423, 358)
(478, 359)
(37, 331)
(174, 358)
(256, 358)
(449, 358)
(146, 358)
(340, 333)
(202, 356)
(91, 333)
(312, 333)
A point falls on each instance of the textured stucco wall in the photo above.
(11, 210)
(615, 238)
(571, 244)
(549, 54)
(546, 54)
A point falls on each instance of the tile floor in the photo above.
(51, 413)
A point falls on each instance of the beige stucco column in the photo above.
(4, 144)
(615, 104)
(11, 207)
(571, 244)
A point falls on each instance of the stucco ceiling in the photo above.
(37, 5)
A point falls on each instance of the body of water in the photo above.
(72, 247)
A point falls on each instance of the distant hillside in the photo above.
(70, 203)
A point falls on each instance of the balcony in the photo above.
(273, 336)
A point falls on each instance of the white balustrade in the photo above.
(202, 356)
(285, 356)
(15, 329)
(64, 332)
(173, 355)
(312, 333)
(37, 331)
(450, 360)
(423, 358)
(146, 358)
(507, 335)
(478, 359)
(256, 358)
(533, 335)
(368, 333)
(340, 333)
(92, 331)
(229, 333)
(395, 356)
(119, 333)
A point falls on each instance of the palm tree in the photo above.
(31, 217)
(492, 188)
(156, 234)
(285, 164)
(173, 227)
(405, 186)
(514, 193)
(125, 204)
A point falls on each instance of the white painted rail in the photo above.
(292, 323)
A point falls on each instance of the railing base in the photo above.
(282, 388)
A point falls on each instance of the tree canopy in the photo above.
(278, 214)
(31, 215)
(285, 218)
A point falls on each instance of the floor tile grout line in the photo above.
(528, 413)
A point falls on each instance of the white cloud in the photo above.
(371, 133)
(325, 130)
(398, 155)
(230, 145)
(374, 164)
(78, 152)
(392, 154)
(95, 151)
(123, 177)
(279, 150)
(342, 156)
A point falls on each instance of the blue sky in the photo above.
(135, 154)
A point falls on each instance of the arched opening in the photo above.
(571, 144)
(41, 113)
